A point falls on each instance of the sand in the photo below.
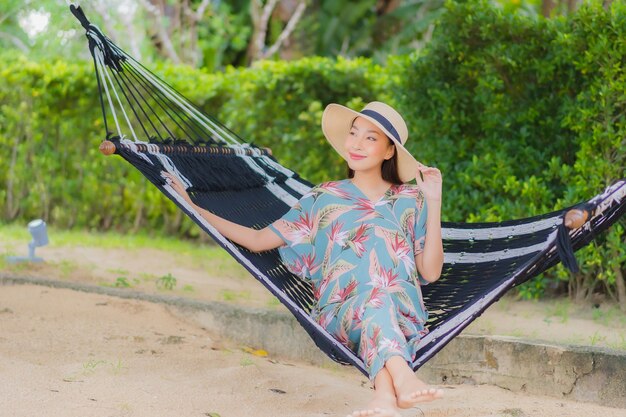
(220, 278)
(67, 353)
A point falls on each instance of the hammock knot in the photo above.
(98, 39)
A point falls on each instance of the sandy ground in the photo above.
(224, 280)
(65, 353)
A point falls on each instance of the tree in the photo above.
(261, 14)
(174, 32)
(367, 28)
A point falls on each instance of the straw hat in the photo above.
(337, 121)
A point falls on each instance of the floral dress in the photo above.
(359, 256)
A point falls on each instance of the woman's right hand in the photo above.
(176, 184)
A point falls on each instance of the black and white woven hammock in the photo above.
(155, 128)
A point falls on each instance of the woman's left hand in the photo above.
(431, 184)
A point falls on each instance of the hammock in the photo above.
(155, 128)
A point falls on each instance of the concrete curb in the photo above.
(580, 373)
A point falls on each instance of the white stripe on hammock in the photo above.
(297, 186)
(168, 164)
(495, 256)
(612, 195)
(281, 194)
(489, 233)
(294, 184)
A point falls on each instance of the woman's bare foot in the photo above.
(379, 407)
(413, 391)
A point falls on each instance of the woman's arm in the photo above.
(429, 262)
(252, 239)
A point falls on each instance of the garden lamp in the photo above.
(37, 229)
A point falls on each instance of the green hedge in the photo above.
(523, 115)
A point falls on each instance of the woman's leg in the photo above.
(374, 328)
(384, 402)
(409, 389)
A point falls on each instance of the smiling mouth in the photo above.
(353, 156)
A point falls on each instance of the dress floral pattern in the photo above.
(359, 256)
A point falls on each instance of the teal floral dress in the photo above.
(359, 256)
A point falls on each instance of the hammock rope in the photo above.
(246, 184)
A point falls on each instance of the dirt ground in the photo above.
(65, 353)
(143, 269)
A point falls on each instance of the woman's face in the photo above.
(367, 146)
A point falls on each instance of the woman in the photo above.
(367, 243)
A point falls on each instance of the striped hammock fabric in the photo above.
(155, 128)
